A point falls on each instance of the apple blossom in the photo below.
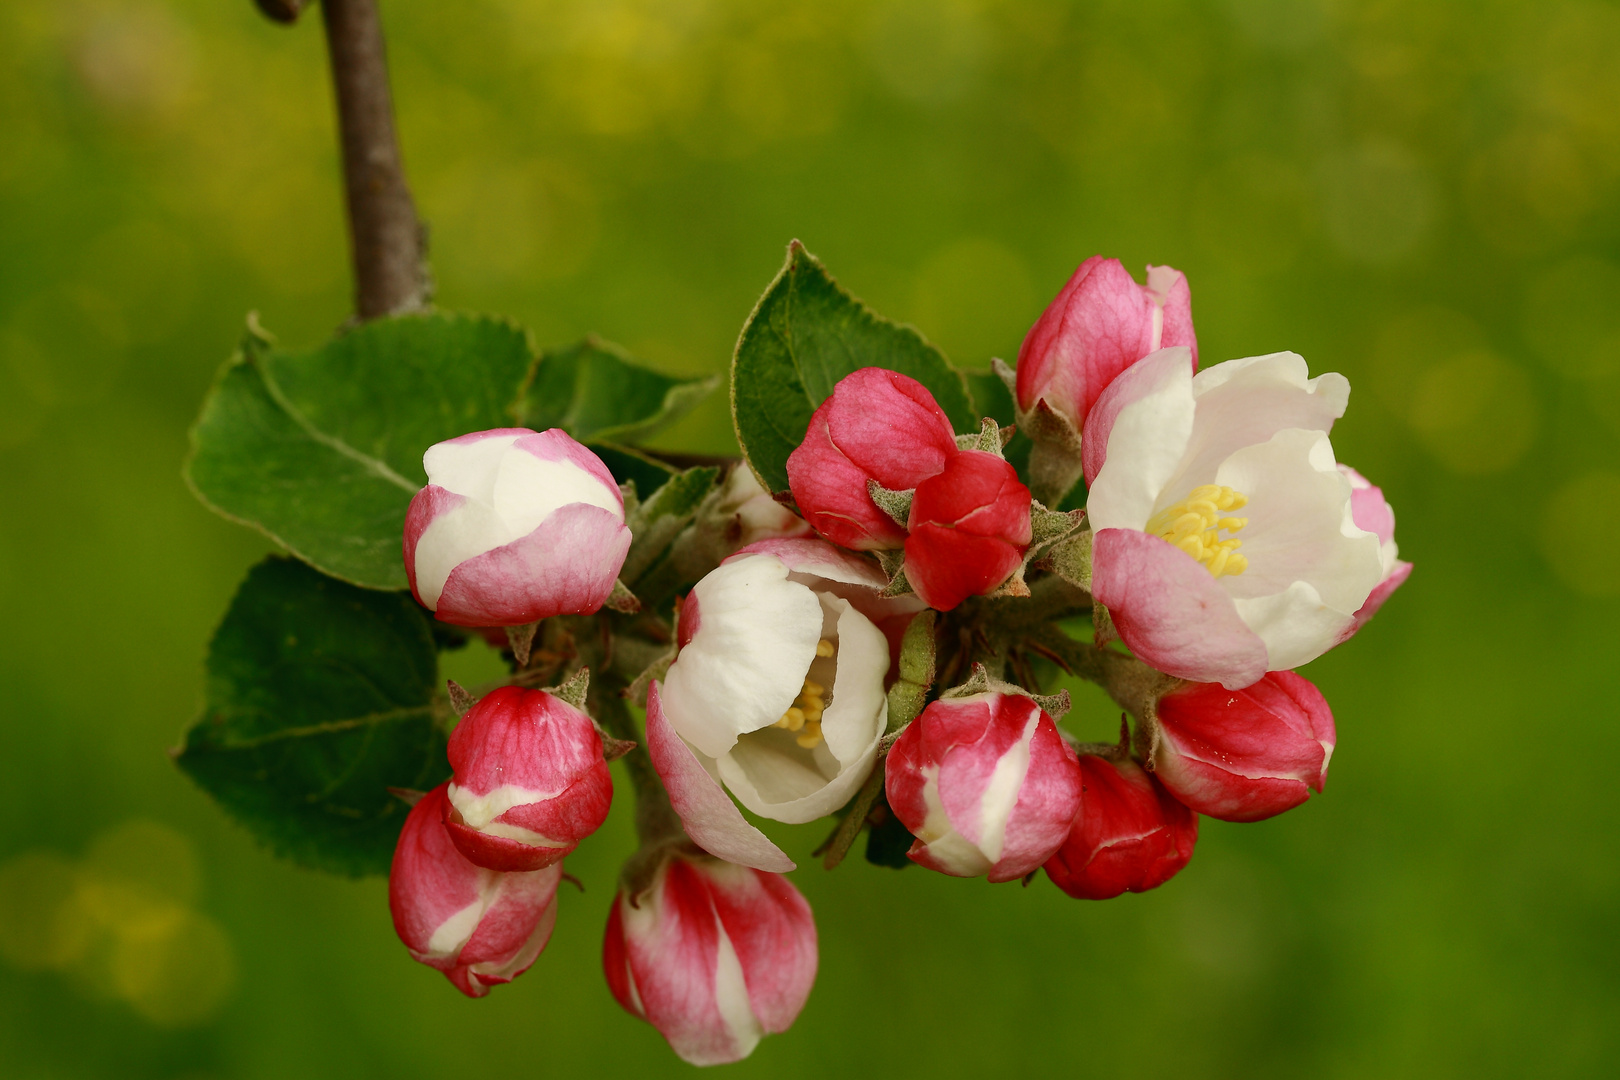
(480, 927)
(1371, 512)
(778, 688)
(1130, 834)
(1244, 755)
(530, 781)
(514, 526)
(969, 529)
(713, 955)
(1171, 457)
(876, 425)
(985, 783)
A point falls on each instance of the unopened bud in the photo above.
(1131, 835)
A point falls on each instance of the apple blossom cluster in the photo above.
(872, 648)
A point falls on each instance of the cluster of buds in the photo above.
(807, 671)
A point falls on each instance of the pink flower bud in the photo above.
(969, 527)
(514, 526)
(529, 782)
(713, 955)
(1244, 755)
(1099, 325)
(986, 784)
(1369, 511)
(1130, 835)
(478, 926)
(877, 425)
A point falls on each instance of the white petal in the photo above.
(855, 718)
(1300, 525)
(454, 537)
(528, 490)
(1243, 402)
(467, 466)
(818, 802)
(1295, 625)
(731, 998)
(757, 635)
(1148, 440)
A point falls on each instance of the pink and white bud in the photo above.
(1101, 323)
(778, 689)
(1373, 513)
(969, 529)
(713, 955)
(530, 782)
(480, 927)
(986, 785)
(1130, 834)
(876, 425)
(514, 526)
(1244, 755)
(1186, 469)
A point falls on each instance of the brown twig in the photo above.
(385, 237)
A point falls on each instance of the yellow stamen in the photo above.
(810, 736)
(824, 648)
(804, 716)
(1195, 525)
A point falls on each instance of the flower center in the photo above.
(804, 717)
(1195, 524)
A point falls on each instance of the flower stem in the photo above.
(656, 820)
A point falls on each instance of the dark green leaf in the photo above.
(887, 844)
(627, 465)
(321, 696)
(991, 398)
(322, 450)
(594, 390)
(805, 334)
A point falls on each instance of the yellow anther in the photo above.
(1195, 525)
(793, 719)
(824, 649)
(810, 736)
(813, 688)
(804, 716)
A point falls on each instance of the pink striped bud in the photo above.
(713, 955)
(1244, 755)
(1130, 835)
(514, 526)
(530, 782)
(477, 926)
(970, 527)
(877, 425)
(1101, 323)
(985, 783)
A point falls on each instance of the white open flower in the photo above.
(778, 687)
(1184, 471)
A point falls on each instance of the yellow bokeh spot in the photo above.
(1578, 528)
(174, 972)
(1195, 525)
(1476, 412)
(43, 924)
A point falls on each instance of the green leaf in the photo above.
(656, 522)
(627, 466)
(320, 697)
(322, 450)
(594, 390)
(804, 335)
(991, 397)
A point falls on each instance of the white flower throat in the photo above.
(804, 715)
(1195, 525)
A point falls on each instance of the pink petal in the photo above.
(1171, 612)
(709, 816)
(1134, 383)
(427, 504)
(566, 566)
(1376, 598)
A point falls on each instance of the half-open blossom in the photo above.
(480, 927)
(514, 526)
(778, 689)
(1372, 513)
(1101, 323)
(969, 529)
(1244, 755)
(1130, 835)
(713, 955)
(530, 781)
(986, 785)
(1184, 471)
(876, 425)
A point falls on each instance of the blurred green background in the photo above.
(1423, 195)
